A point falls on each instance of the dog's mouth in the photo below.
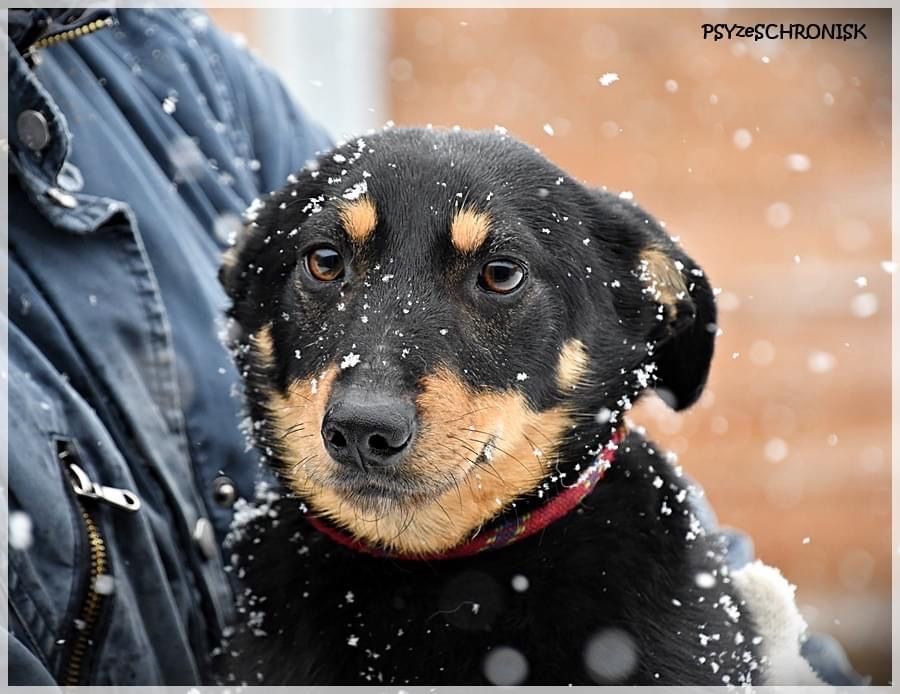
(414, 482)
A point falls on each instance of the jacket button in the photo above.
(224, 493)
(205, 537)
(33, 130)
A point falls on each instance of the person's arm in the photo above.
(283, 136)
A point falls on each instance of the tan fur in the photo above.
(229, 258)
(359, 218)
(573, 362)
(231, 254)
(263, 348)
(296, 416)
(469, 229)
(456, 423)
(663, 278)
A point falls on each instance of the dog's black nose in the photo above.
(368, 430)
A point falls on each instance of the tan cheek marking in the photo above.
(296, 418)
(456, 423)
(359, 219)
(573, 362)
(659, 273)
(469, 229)
(263, 347)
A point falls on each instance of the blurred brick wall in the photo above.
(792, 440)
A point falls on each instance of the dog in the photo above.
(440, 334)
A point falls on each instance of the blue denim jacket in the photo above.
(140, 145)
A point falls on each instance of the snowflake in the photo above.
(350, 361)
(608, 78)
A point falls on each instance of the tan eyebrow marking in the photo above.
(359, 219)
(469, 229)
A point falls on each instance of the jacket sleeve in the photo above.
(283, 136)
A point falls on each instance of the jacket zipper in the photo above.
(70, 34)
(94, 598)
(90, 609)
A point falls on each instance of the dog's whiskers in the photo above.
(491, 442)
(467, 414)
(480, 461)
(301, 462)
(292, 429)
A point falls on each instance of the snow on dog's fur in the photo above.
(439, 332)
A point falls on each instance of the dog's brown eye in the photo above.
(501, 276)
(325, 264)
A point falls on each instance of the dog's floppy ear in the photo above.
(664, 296)
(684, 337)
(240, 277)
(229, 269)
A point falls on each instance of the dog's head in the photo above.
(434, 324)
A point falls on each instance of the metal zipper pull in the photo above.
(84, 486)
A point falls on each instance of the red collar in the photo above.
(502, 534)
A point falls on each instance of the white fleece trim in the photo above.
(771, 601)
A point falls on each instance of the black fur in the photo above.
(625, 562)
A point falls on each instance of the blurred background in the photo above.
(770, 160)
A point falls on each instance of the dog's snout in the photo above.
(369, 431)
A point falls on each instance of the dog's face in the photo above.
(434, 324)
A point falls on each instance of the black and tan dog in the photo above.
(440, 334)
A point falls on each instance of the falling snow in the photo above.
(608, 78)
(864, 305)
(779, 215)
(742, 138)
(20, 530)
(520, 583)
(611, 656)
(820, 362)
(505, 666)
(797, 162)
(104, 584)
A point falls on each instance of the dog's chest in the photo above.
(364, 621)
(547, 613)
